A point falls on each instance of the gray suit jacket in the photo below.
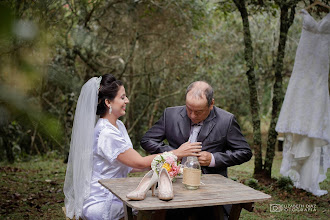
(220, 135)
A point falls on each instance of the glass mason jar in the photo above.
(191, 173)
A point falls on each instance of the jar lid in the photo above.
(192, 158)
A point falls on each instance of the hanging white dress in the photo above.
(109, 142)
(305, 115)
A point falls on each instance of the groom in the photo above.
(223, 144)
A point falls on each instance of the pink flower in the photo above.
(169, 160)
(174, 170)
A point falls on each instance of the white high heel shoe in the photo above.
(165, 188)
(148, 181)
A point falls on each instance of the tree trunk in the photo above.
(287, 17)
(254, 104)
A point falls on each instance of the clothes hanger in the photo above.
(318, 3)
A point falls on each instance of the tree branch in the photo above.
(86, 60)
(147, 106)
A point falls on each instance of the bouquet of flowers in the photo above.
(168, 161)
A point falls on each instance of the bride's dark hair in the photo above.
(109, 87)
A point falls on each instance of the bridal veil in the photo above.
(79, 169)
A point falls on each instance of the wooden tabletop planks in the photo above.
(215, 190)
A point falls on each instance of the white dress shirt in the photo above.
(194, 131)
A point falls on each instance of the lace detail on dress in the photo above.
(305, 113)
(121, 150)
(306, 107)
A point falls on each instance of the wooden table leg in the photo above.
(128, 212)
(236, 209)
(235, 212)
(247, 206)
(218, 212)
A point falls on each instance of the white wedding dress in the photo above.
(305, 115)
(109, 142)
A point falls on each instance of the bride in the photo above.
(101, 150)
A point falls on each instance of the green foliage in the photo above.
(26, 128)
(285, 183)
(156, 48)
(17, 137)
(6, 18)
(253, 183)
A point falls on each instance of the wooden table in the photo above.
(216, 190)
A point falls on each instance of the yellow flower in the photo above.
(167, 167)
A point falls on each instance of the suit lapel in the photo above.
(184, 124)
(207, 127)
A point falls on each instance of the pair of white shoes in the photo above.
(165, 188)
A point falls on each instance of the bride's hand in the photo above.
(188, 149)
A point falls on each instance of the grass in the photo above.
(33, 190)
(319, 206)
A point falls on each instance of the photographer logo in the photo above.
(276, 208)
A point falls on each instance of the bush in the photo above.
(253, 183)
(285, 183)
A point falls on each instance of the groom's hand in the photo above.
(188, 149)
(205, 158)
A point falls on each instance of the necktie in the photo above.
(194, 133)
(193, 137)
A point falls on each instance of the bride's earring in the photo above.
(110, 110)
